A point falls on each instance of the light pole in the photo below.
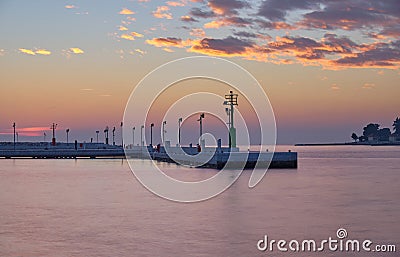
(201, 123)
(141, 135)
(106, 134)
(133, 136)
(17, 136)
(44, 136)
(151, 133)
(163, 131)
(54, 127)
(97, 136)
(179, 131)
(67, 130)
(14, 134)
(231, 100)
(122, 136)
(113, 133)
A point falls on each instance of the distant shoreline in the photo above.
(350, 143)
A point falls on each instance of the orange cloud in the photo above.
(174, 3)
(76, 50)
(162, 13)
(126, 11)
(335, 87)
(34, 52)
(27, 51)
(122, 28)
(200, 33)
(70, 7)
(131, 36)
(368, 85)
(43, 52)
(168, 42)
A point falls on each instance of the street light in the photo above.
(97, 136)
(106, 134)
(141, 135)
(113, 133)
(67, 130)
(44, 136)
(54, 127)
(179, 130)
(201, 123)
(163, 131)
(133, 136)
(14, 134)
(151, 133)
(122, 136)
(231, 100)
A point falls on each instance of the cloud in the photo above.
(162, 13)
(228, 21)
(227, 7)
(335, 87)
(187, 18)
(167, 42)
(126, 11)
(2, 52)
(43, 52)
(368, 85)
(229, 46)
(199, 13)
(27, 51)
(199, 33)
(381, 55)
(34, 52)
(353, 14)
(70, 7)
(131, 36)
(176, 3)
(122, 28)
(76, 50)
(276, 10)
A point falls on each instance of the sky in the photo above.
(329, 67)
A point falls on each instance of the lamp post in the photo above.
(141, 135)
(201, 123)
(106, 134)
(14, 134)
(44, 136)
(67, 130)
(53, 127)
(151, 133)
(133, 136)
(97, 136)
(122, 136)
(231, 100)
(17, 136)
(163, 131)
(179, 131)
(113, 134)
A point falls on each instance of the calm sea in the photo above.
(97, 207)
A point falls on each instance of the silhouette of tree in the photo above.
(371, 130)
(384, 134)
(354, 137)
(362, 138)
(396, 126)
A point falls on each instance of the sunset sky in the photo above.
(328, 66)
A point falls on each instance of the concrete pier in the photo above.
(219, 156)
